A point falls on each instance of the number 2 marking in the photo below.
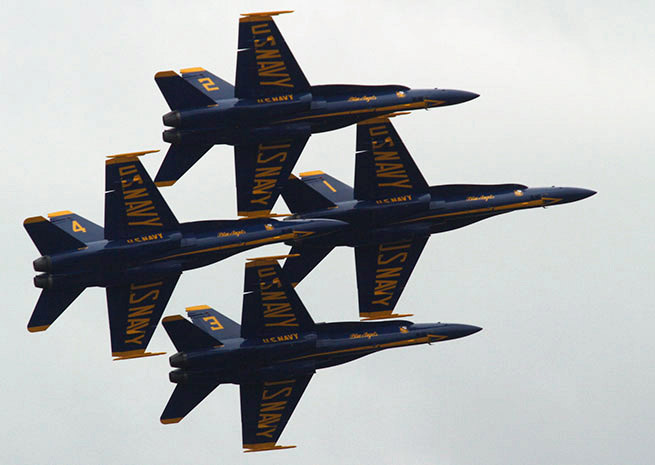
(208, 84)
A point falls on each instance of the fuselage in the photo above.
(238, 121)
(241, 360)
(196, 244)
(444, 208)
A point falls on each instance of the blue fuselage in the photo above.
(196, 244)
(445, 208)
(238, 121)
(296, 353)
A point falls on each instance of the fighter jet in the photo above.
(139, 255)
(274, 353)
(269, 114)
(392, 211)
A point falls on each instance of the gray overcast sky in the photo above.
(563, 371)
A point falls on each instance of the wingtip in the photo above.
(37, 329)
(170, 421)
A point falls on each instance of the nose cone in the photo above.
(457, 331)
(573, 194)
(453, 97)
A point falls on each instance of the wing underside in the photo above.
(382, 273)
(265, 410)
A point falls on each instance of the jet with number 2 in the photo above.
(139, 255)
(274, 353)
(392, 211)
(269, 114)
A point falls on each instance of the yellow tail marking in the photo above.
(198, 307)
(191, 70)
(311, 173)
(61, 213)
(163, 74)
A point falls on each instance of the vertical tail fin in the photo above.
(51, 304)
(48, 238)
(187, 337)
(78, 227)
(180, 94)
(207, 83)
(213, 323)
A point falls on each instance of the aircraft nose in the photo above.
(465, 330)
(573, 194)
(460, 96)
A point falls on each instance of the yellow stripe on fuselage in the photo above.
(402, 106)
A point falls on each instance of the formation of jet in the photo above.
(139, 255)
(269, 113)
(273, 355)
(268, 116)
(392, 211)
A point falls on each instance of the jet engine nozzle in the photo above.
(43, 281)
(172, 119)
(42, 264)
(172, 136)
(178, 376)
(178, 360)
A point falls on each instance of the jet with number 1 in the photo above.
(269, 114)
(392, 212)
(274, 353)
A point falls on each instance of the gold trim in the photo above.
(168, 421)
(36, 329)
(129, 155)
(261, 447)
(198, 307)
(165, 183)
(60, 213)
(383, 118)
(191, 70)
(34, 219)
(172, 318)
(164, 74)
(140, 355)
(311, 173)
(370, 316)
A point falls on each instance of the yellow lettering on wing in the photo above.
(274, 399)
(141, 303)
(276, 307)
(390, 169)
(268, 169)
(271, 68)
(389, 266)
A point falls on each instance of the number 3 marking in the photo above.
(214, 324)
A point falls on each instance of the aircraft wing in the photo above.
(133, 204)
(134, 312)
(265, 410)
(270, 305)
(262, 169)
(265, 65)
(383, 167)
(382, 273)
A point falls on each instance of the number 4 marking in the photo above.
(77, 227)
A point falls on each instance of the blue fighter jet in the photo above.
(392, 211)
(269, 114)
(139, 255)
(274, 353)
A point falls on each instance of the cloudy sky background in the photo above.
(563, 371)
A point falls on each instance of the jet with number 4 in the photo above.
(274, 353)
(269, 114)
(392, 211)
(139, 255)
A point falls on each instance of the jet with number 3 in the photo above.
(269, 114)
(392, 211)
(274, 353)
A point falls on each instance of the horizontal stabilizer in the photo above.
(207, 83)
(217, 325)
(300, 198)
(180, 94)
(78, 227)
(186, 337)
(50, 305)
(133, 204)
(185, 397)
(383, 166)
(179, 159)
(48, 238)
(302, 261)
(270, 305)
